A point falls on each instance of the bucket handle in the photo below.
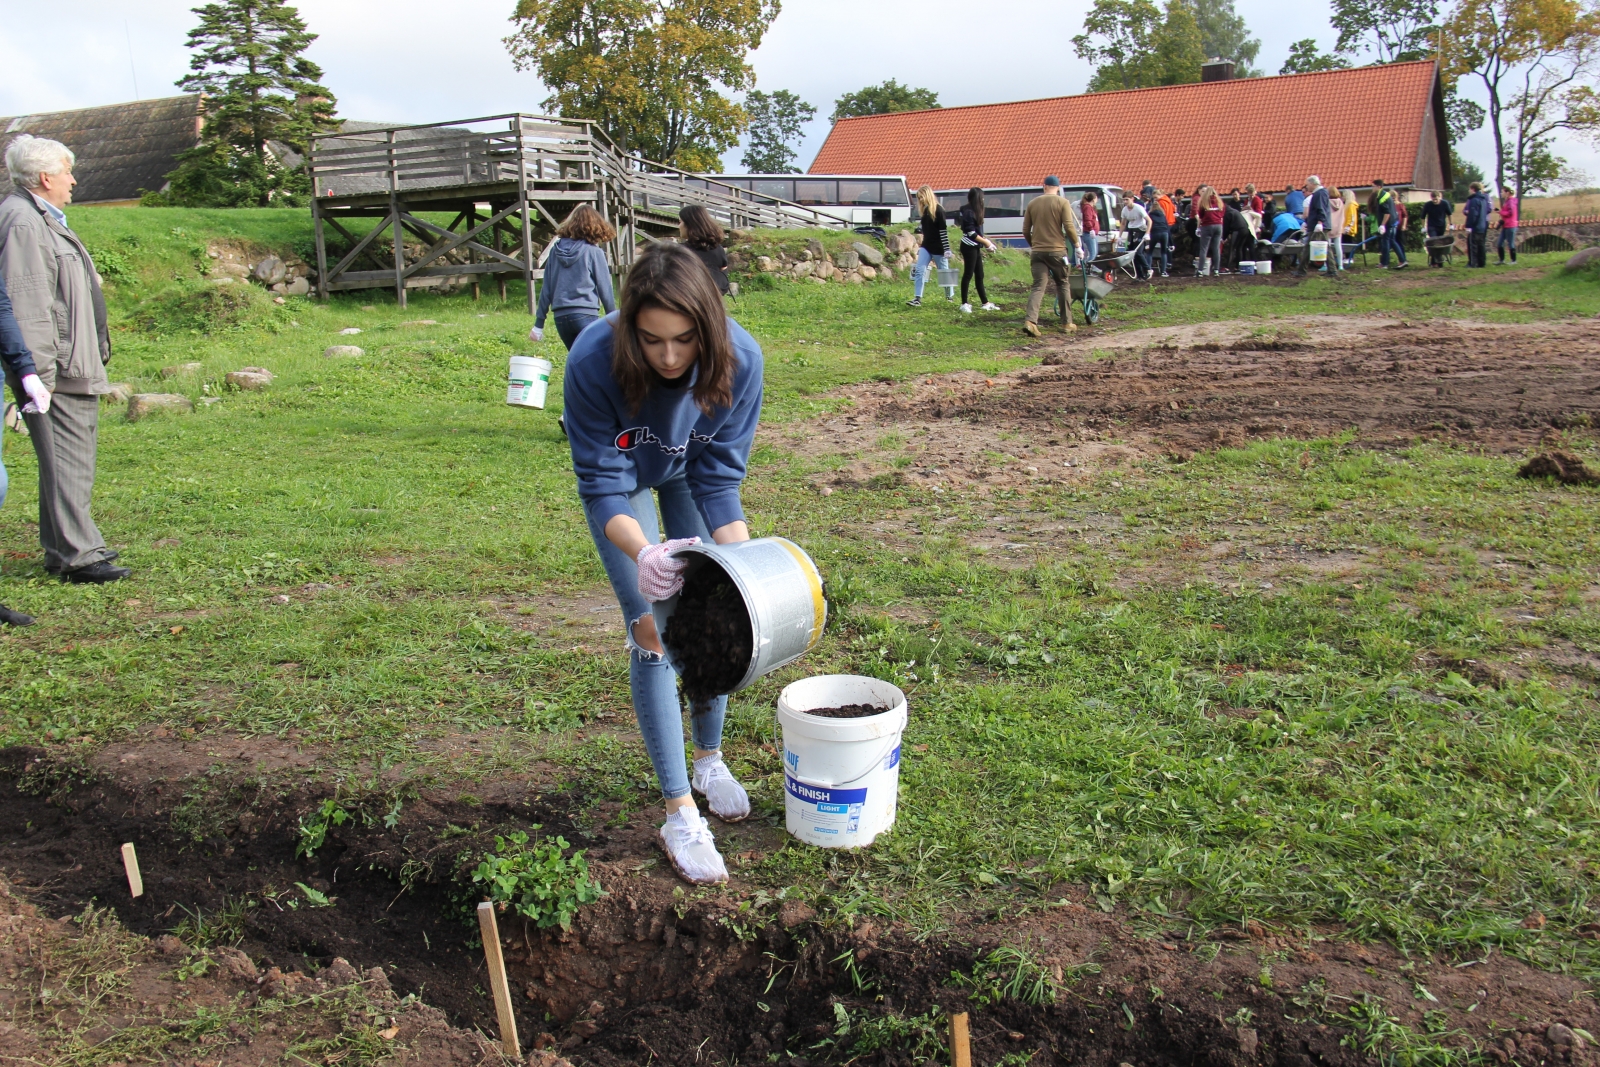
(872, 766)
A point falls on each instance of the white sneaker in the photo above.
(687, 838)
(966, 309)
(724, 795)
(991, 307)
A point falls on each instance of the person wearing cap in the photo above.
(1048, 226)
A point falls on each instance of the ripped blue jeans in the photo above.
(653, 682)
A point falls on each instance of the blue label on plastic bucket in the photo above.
(834, 799)
(892, 760)
(792, 759)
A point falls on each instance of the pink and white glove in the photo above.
(38, 395)
(661, 576)
(536, 334)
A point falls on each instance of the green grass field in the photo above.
(1315, 753)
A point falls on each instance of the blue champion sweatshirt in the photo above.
(576, 278)
(615, 453)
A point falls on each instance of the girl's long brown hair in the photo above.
(585, 224)
(671, 277)
(700, 230)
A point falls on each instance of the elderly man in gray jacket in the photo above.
(55, 295)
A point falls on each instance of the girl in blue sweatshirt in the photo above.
(577, 278)
(664, 394)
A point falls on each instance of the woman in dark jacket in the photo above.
(935, 242)
(698, 230)
(970, 221)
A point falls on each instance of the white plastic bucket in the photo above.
(841, 777)
(1263, 266)
(530, 379)
(1319, 251)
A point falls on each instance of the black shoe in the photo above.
(914, 302)
(14, 618)
(111, 554)
(97, 573)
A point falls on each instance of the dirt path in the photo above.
(651, 974)
(1099, 400)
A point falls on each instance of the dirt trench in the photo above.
(660, 973)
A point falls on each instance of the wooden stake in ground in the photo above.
(490, 931)
(130, 863)
(960, 1041)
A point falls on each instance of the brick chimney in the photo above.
(1216, 70)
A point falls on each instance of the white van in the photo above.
(1003, 208)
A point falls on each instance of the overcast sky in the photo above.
(417, 61)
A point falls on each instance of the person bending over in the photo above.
(577, 278)
(661, 402)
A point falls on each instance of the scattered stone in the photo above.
(250, 378)
(868, 272)
(1584, 257)
(297, 287)
(853, 277)
(765, 264)
(235, 963)
(1564, 467)
(814, 247)
(1248, 1040)
(270, 271)
(349, 331)
(336, 351)
(867, 253)
(182, 369)
(142, 404)
(1560, 1034)
(847, 261)
(207, 401)
(887, 272)
(119, 393)
(420, 322)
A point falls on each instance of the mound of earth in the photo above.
(650, 973)
(1183, 389)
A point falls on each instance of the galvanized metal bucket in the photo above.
(782, 592)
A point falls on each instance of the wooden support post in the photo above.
(527, 217)
(490, 931)
(960, 1041)
(397, 231)
(322, 248)
(130, 864)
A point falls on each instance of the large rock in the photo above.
(803, 268)
(250, 378)
(847, 261)
(182, 370)
(1584, 257)
(765, 264)
(297, 287)
(336, 351)
(142, 404)
(814, 246)
(270, 271)
(119, 393)
(868, 271)
(867, 253)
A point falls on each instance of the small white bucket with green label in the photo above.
(530, 380)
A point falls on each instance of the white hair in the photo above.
(1314, 180)
(29, 157)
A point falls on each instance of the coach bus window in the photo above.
(1002, 205)
(781, 190)
(814, 192)
(858, 192)
(894, 194)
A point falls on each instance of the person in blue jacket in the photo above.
(662, 397)
(17, 362)
(577, 278)
(1476, 217)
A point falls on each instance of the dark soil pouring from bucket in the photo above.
(709, 633)
(847, 711)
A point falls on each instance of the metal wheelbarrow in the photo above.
(1090, 290)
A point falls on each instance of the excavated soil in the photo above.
(709, 633)
(652, 974)
(847, 711)
(1099, 399)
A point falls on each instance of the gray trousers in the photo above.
(64, 440)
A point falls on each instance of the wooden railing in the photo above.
(539, 151)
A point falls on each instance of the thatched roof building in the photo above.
(122, 149)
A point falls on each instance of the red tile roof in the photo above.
(1347, 126)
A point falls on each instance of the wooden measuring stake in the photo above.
(960, 1041)
(130, 864)
(490, 931)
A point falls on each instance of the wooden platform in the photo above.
(496, 189)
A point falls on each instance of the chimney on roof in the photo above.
(1216, 70)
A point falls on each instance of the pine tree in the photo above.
(259, 88)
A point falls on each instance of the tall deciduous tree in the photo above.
(1132, 44)
(259, 88)
(1304, 57)
(883, 99)
(776, 120)
(1224, 35)
(1395, 31)
(1532, 57)
(1557, 93)
(650, 73)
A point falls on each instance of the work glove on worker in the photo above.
(536, 334)
(38, 396)
(660, 575)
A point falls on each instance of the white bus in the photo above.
(857, 199)
(1002, 208)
